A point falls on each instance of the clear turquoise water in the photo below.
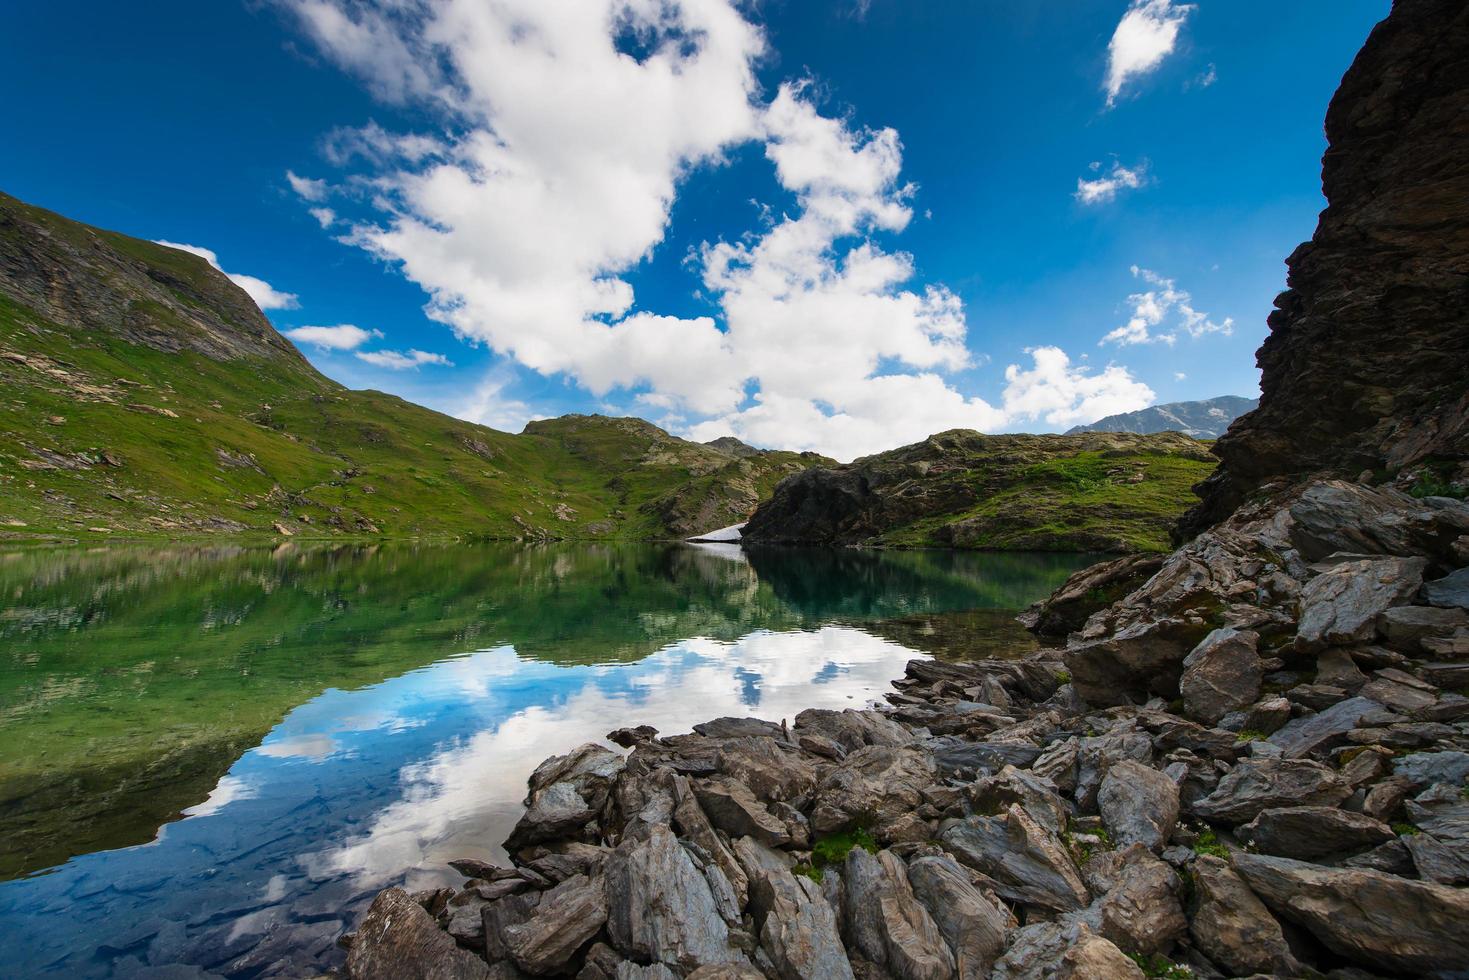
(211, 758)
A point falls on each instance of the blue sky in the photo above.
(823, 225)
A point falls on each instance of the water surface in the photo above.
(214, 756)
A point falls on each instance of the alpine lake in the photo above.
(212, 757)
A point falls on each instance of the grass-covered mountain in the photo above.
(1098, 491)
(1205, 419)
(142, 392)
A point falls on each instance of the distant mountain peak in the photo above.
(1206, 419)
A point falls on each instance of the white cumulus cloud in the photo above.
(1062, 394)
(569, 129)
(1105, 188)
(1154, 307)
(1147, 33)
(408, 360)
(343, 336)
(266, 296)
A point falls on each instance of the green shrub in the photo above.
(835, 848)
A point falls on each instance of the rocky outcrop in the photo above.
(1205, 419)
(963, 489)
(1368, 350)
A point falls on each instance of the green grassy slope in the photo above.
(141, 393)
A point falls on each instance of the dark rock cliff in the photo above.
(1367, 362)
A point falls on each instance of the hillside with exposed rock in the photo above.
(962, 489)
(142, 393)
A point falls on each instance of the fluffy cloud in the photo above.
(1151, 308)
(266, 296)
(571, 131)
(409, 360)
(1145, 36)
(1105, 188)
(343, 336)
(1061, 394)
(306, 188)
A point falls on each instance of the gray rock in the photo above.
(694, 825)
(851, 729)
(771, 770)
(973, 923)
(1340, 606)
(1232, 926)
(1392, 858)
(1427, 768)
(1051, 951)
(1139, 805)
(740, 728)
(1405, 628)
(1450, 592)
(1142, 658)
(885, 921)
(1436, 860)
(993, 794)
(1388, 922)
(1333, 516)
(1221, 675)
(1026, 862)
(876, 783)
(1336, 668)
(1140, 910)
(1306, 832)
(796, 925)
(1262, 784)
(1305, 735)
(566, 791)
(661, 907)
(952, 754)
(1400, 692)
(567, 918)
(1098, 753)
(733, 808)
(398, 940)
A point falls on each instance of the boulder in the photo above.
(1400, 692)
(1139, 804)
(661, 907)
(1307, 832)
(772, 772)
(952, 755)
(566, 791)
(1426, 768)
(1336, 668)
(1381, 920)
(1262, 784)
(973, 923)
(796, 926)
(1310, 733)
(1449, 592)
(1026, 862)
(994, 794)
(733, 808)
(694, 825)
(1340, 606)
(1407, 628)
(1140, 910)
(1093, 957)
(1044, 951)
(1221, 675)
(885, 921)
(1141, 658)
(1231, 925)
(874, 784)
(851, 729)
(1087, 591)
(1334, 516)
(398, 940)
(740, 728)
(566, 919)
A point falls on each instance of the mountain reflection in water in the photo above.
(215, 756)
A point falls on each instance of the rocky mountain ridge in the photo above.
(1204, 419)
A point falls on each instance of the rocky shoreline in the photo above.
(1277, 788)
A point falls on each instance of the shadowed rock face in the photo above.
(1368, 352)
